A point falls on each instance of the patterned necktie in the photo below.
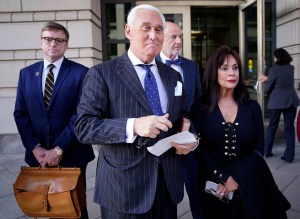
(49, 85)
(152, 90)
(175, 62)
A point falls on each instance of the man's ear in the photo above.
(127, 32)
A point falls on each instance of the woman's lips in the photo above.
(231, 81)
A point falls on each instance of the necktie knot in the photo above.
(175, 62)
(147, 68)
(51, 66)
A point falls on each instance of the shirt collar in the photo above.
(57, 63)
(164, 58)
(135, 61)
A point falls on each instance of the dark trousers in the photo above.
(162, 208)
(289, 116)
(192, 183)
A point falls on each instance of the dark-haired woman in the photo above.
(231, 145)
(283, 99)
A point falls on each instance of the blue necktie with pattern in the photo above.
(175, 62)
(152, 90)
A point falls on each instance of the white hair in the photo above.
(133, 12)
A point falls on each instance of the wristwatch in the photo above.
(59, 151)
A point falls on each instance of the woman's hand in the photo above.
(231, 184)
(262, 78)
(221, 191)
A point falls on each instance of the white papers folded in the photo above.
(163, 145)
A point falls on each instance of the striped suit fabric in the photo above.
(126, 176)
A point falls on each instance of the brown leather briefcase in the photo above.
(53, 192)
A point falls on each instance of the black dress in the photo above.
(235, 149)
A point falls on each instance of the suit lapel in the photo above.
(63, 72)
(38, 76)
(128, 76)
(185, 69)
(166, 74)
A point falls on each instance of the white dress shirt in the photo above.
(161, 90)
(55, 71)
(177, 68)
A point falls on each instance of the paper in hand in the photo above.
(163, 145)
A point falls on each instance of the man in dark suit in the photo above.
(46, 106)
(116, 112)
(189, 72)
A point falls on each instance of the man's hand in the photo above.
(51, 158)
(150, 126)
(184, 148)
(39, 153)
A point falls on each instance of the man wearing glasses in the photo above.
(46, 106)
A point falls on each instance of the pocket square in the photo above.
(178, 89)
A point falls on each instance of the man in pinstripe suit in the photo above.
(114, 111)
(189, 71)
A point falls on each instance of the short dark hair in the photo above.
(55, 26)
(282, 57)
(210, 85)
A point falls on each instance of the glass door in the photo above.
(180, 15)
(114, 42)
(211, 28)
(258, 39)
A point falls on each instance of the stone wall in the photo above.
(288, 30)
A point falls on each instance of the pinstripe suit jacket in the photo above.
(191, 77)
(126, 176)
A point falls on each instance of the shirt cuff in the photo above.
(38, 145)
(130, 137)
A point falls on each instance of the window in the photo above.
(114, 15)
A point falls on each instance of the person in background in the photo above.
(231, 146)
(189, 71)
(283, 99)
(46, 106)
(298, 127)
(128, 104)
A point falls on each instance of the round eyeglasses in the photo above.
(58, 41)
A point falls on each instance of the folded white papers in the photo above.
(163, 145)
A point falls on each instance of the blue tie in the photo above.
(175, 62)
(152, 90)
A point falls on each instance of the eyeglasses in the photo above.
(58, 41)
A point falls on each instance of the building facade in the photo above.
(96, 34)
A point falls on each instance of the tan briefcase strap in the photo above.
(45, 201)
